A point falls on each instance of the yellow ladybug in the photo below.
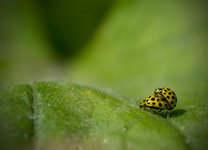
(168, 95)
(154, 102)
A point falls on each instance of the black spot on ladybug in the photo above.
(172, 102)
(164, 93)
(148, 103)
(168, 97)
(173, 93)
(149, 96)
(169, 93)
(173, 97)
(144, 100)
(165, 90)
(160, 104)
(163, 99)
(168, 89)
(157, 99)
(153, 98)
(153, 103)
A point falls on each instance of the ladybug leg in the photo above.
(159, 111)
(153, 111)
(142, 107)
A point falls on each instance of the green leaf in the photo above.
(16, 124)
(69, 115)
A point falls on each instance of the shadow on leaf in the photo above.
(173, 113)
(177, 112)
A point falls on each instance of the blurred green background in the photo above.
(115, 45)
(126, 48)
(39, 39)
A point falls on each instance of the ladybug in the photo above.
(154, 102)
(168, 95)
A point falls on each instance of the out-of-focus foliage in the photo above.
(146, 44)
(70, 24)
(37, 37)
(25, 52)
